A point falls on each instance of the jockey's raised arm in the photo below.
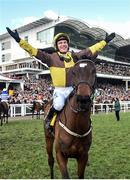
(59, 62)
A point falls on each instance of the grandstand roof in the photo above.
(79, 25)
(29, 26)
(96, 32)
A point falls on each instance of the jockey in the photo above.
(4, 95)
(59, 62)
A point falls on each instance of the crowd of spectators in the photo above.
(104, 67)
(106, 92)
(41, 88)
(34, 89)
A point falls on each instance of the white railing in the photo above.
(20, 110)
(25, 109)
(125, 106)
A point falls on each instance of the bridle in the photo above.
(76, 110)
(79, 81)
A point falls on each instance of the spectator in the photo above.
(4, 95)
(117, 109)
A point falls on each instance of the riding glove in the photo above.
(109, 37)
(14, 34)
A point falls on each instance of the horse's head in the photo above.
(83, 79)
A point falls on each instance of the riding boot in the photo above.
(48, 119)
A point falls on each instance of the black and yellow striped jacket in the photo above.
(58, 67)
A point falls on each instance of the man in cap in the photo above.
(59, 62)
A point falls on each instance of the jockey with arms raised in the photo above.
(59, 62)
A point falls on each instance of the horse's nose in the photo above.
(83, 102)
(83, 99)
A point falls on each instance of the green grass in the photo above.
(23, 153)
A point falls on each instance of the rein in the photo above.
(78, 109)
(75, 111)
(91, 97)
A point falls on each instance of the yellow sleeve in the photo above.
(27, 47)
(97, 47)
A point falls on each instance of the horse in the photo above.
(73, 129)
(37, 107)
(108, 104)
(4, 112)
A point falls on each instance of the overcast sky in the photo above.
(111, 15)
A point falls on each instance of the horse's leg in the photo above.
(82, 162)
(32, 114)
(7, 118)
(1, 119)
(49, 147)
(62, 162)
(4, 117)
(39, 115)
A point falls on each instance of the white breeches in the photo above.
(59, 96)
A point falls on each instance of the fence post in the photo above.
(94, 108)
(107, 108)
(22, 110)
(11, 110)
(14, 112)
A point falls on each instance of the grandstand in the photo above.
(113, 63)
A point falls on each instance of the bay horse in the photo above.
(36, 108)
(4, 112)
(73, 130)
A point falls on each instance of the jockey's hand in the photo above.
(109, 37)
(14, 34)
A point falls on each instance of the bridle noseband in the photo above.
(89, 98)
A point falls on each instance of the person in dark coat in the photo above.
(117, 109)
